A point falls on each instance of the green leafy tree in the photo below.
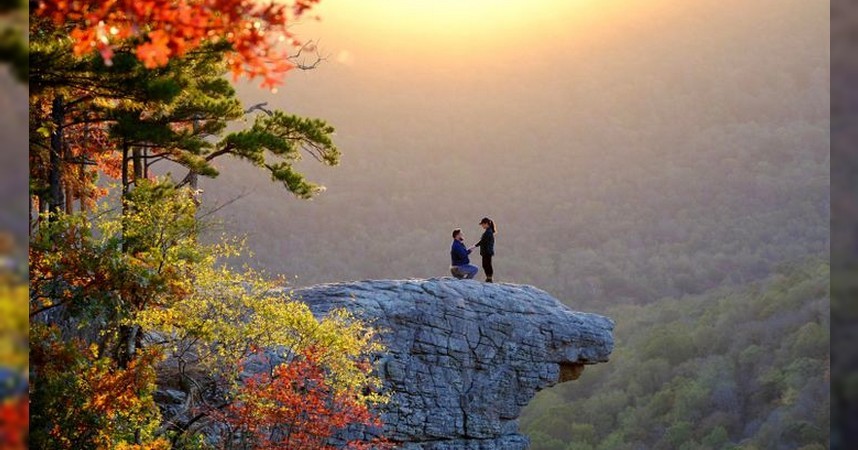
(90, 118)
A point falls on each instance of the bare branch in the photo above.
(311, 63)
(225, 204)
(260, 107)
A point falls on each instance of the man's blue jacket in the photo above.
(459, 253)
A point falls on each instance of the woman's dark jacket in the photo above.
(487, 243)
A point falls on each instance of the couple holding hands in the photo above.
(461, 266)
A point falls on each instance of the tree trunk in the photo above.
(82, 195)
(69, 199)
(43, 207)
(124, 176)
(127, 345)
(193, 178)
(145, 163)
(55, 189)
(127, 333)
(137, 160)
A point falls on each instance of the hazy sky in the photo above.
(426, 38)
(493, 76)
(423, 33)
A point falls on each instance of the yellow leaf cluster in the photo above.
(14, 324)
(230, 315)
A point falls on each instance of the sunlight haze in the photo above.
(480, 29)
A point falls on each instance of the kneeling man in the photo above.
(461, 266)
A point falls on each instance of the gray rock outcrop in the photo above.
(464, 357)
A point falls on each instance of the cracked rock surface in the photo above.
(464, 357)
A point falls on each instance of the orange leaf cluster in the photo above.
(91, 402)
(114, 390)
(88, 150)
(163, 29)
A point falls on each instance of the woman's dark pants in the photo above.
(487, 266)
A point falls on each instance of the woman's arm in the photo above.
(484, 239)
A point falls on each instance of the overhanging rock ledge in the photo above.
(464, 357)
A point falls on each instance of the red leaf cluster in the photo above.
(295, 407)
(163, 29)
(14, 421)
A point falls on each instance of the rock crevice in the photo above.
(464, 357)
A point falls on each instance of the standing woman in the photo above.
(487, 246)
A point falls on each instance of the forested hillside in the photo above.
(691, 155)
(734, 368)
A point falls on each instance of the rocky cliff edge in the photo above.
(464, 357)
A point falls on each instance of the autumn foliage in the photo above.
(295, 407)
(131, 301)
(85, 400)
(159, 30)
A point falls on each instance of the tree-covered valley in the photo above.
(735, 368)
